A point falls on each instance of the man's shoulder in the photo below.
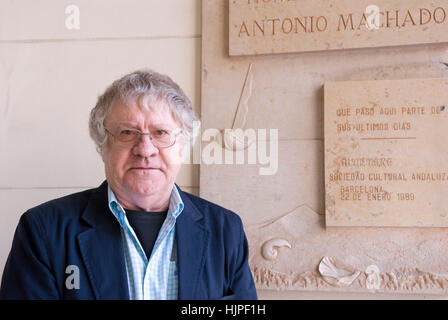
(212, 211)
(66, 206)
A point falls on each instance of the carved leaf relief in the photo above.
(337, 276)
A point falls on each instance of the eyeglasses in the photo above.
(130, 137)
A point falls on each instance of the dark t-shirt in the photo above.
(146, 226)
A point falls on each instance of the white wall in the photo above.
(50, 78)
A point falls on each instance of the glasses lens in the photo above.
(163, 138)
(127, 136)
(159, 137)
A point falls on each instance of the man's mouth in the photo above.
(144, 168)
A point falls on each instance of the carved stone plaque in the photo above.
(278, 26)
(290, 245)
(386, 153)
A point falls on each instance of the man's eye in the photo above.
(160, 133)
(126, 132)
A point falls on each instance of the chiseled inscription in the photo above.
(385, 153)
(277, 26)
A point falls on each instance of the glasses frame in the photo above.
(141, 134)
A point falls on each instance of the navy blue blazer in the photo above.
(80, 230)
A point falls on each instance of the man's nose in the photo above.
(145, 147)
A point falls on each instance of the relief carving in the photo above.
(402, 280)
(337, 275)
(234, 137)
(288, 92)
(294, 269)
(269, 250)
(373, 281)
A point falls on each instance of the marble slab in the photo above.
(385, 153)
(290, 245)
(279, 26)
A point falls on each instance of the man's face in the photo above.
(141, 170)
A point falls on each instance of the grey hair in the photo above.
(146, 86)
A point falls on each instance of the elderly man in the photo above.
(137, 236)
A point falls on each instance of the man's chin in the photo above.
(146, 186)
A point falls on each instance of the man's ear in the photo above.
(102, 150)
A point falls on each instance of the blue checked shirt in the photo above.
(155, 278)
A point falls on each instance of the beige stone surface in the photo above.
(385, 153)
(331, 295)
(284, 213)
(384, 260)
(271, 26)
(298, 181)
(23, 20)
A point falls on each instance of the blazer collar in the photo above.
(102, 249)
(192, 241)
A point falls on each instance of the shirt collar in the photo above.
(175, 208)
(176, 203)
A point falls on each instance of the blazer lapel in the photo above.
(192, 241)
(102, 249)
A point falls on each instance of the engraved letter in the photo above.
(422, 10)
(243, 28)
(274, 20)
(388, 19)
(319, 19)
(408, 14)
(345, 22)
(444, 15)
